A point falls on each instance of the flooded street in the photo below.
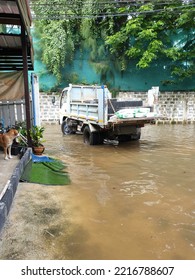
(132, 201)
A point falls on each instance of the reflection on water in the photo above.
(132, 201)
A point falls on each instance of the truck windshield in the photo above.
(63, 98)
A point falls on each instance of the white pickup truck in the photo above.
(92, 111)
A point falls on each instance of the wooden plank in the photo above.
(19, 111)
(6, 116)
(11, 114)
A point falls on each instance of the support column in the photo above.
(26, 87)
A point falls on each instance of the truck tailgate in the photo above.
(131, 121)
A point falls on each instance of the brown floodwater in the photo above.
(131, 201)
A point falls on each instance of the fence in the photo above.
(172, 106)
(12, 112)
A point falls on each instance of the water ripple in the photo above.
(139, 187)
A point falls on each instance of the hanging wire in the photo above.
(111, 2)
(70, 4)
(60, 15)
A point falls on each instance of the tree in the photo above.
(117, 33)
(157, 30)
(59, 37)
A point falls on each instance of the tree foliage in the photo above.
(117, 33)
(58, 37)
(156, 31)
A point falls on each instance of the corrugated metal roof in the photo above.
(9, 7)
(10, 41)
(15, 12)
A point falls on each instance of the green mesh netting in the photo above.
(46, 173)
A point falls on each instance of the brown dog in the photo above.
(6, 140)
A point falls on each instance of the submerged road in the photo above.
(132, 201)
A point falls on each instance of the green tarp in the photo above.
(46, 173)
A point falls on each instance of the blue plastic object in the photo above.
(41, 158)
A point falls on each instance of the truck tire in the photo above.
(66, 130)
(90, 138)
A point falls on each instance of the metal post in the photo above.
(26, 87)
(35, 100)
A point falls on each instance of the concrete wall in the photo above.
(49, 112)
(172, 106)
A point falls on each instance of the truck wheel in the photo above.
(65, 128)
(90, 138)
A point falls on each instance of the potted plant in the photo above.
(36, 134)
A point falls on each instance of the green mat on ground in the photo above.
(46, 173)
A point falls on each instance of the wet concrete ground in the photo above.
(134, 201)
(6, 169)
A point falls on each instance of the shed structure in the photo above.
(16, 48)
